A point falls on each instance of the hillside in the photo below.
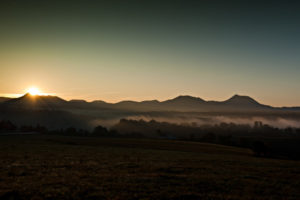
(236, 103)
(30, 102)
(34, 110)
(56, 167)
(3, 99)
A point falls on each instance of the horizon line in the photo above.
(14, 95)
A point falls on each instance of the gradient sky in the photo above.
(138, 50)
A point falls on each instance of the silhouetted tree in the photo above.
(71, 131)
(100, 131)
(82, 132)
(6, 125)
(41, 129)
(26, 128)
(258, 124)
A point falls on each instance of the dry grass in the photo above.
(57, 167)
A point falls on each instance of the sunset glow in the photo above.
(136, 99)
(212, 51)
(34, 91)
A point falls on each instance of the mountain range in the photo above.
(55, 112)
(236, 103)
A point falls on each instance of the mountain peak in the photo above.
(78, 101)
(36, 102)
(37, 97)
(186, 98)
(241, 100)
(237, 96)
(26, 96)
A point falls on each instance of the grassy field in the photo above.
(60, 167)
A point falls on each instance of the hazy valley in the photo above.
(50, 111)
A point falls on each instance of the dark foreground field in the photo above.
(57, 167)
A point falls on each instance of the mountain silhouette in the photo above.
(185, 99)
(49, 111)
(238, 102)
(241, 100)
(3, 99)
(181, 103)
(36, 102)
(55, 112)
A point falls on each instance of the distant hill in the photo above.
(55, 112)
(194, 104)
(3, 99)
(241, 100)
(48, 111)
(30, 102)
(236, 103)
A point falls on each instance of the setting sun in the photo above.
(33, 91)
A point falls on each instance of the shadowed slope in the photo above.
(3, 99)
(36, 102)
(236, 103)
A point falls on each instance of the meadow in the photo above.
(67, 167)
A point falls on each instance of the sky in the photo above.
(143, 50)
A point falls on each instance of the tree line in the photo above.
(264, 140)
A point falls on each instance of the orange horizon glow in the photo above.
(35, 91)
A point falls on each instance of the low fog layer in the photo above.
(278, 122)
(54, 112)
